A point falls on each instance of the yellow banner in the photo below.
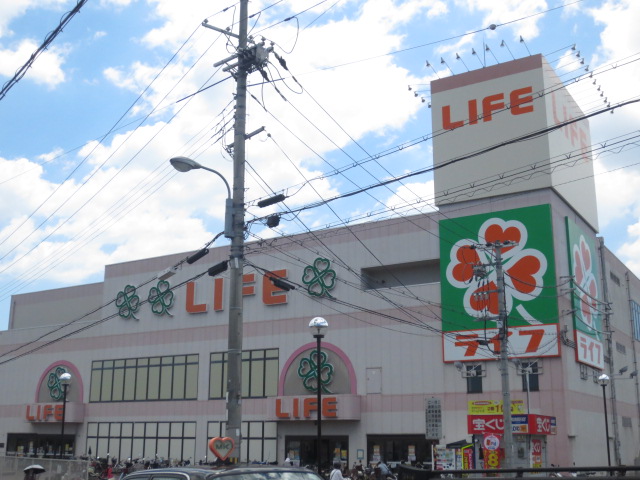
(493, 407)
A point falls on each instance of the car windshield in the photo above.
(279, 475)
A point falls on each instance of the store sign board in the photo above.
(484, 424)
(492, 407)
(334, 407)
(520, 424)
(478, 110)
(529, 276)
(433, 409)
(586, 295)
(52, 412)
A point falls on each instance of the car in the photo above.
(253, 472)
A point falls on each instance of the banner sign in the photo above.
(520, 424)
(469, 323)
(485, 424)
(586, 301)
(491, 407)
(491, 450)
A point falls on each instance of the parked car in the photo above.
(253, 472)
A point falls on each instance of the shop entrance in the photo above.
(412, 449)
(302, 450)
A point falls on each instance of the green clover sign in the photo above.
(128, 302)
(54, 385)
(319, 277)
(308, 372)
(161, 298)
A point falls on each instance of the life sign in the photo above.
(518, 101)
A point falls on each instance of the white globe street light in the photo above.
(318, 327)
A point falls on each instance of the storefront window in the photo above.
(162, 440)
(259, 374)
(411, 449)
(145, 379)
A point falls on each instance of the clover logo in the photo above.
(54, 385)
(128, 302)
(319, 277)
(161, 298)
(308, 372)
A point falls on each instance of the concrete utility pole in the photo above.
(503, 335)
(503, 328)
(234, 355)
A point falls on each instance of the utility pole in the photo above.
(248, 58)
(236, 257)
(503, 329)
(503, 335)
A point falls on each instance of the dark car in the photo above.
(255, 472)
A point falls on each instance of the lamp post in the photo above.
(318, 326)
(65, 381)
(603, 380)
(233, 229)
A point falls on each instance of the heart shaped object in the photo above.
(221, 447)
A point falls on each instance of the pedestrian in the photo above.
(384, 470)
(336, 473)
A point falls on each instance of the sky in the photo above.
(86, 135)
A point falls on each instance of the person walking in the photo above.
(336, 473)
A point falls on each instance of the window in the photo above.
(614, 278)
(584, 371)
(259, 374)
(530, 372)
(635, 314)
(259, 439)
(474, 374)
(175, 440)
(144, 379)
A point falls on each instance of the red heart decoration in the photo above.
(495, 233)
(221, 447)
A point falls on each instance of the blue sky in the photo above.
(87, 133)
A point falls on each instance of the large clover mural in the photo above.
(524, 268)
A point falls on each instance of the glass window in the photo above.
(530, 375)
(259, 373)
(143, 379)
(474, 378)
(259, 438)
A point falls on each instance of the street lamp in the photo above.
(184, 164)
(318, 326)
(233, 229)
(65, 381)
(603, 380)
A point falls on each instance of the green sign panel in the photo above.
(469, 281)
(586, 292)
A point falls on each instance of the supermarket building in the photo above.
(408, 363)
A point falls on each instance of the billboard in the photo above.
(470, 302)
(585, 295)
(478, 116)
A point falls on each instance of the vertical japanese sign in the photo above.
(536, 453)
(586, 295)
(470, 301)
(433, 415)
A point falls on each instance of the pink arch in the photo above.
(325, 346)
(76, 378)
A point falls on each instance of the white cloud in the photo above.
(47, 68)
(505, 11)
